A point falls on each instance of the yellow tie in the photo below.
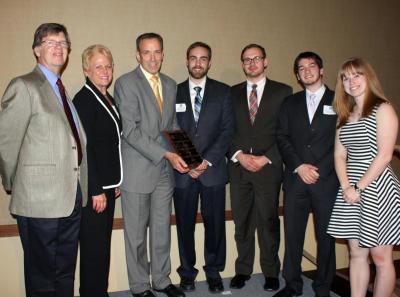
(156, 90)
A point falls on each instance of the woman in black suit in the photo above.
(101, 121)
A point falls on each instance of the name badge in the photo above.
(180, 107)
(328, 110)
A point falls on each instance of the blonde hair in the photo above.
(89, 52)
(343, 103)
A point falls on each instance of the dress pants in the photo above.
(142, 211)
(212, 208)
(50, 251)
(255, 202)
(95, 247)
(299, 199)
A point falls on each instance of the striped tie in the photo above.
(253, 104)
(197, 104)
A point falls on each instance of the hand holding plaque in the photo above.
(184, 147)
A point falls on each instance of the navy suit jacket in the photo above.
(300, 141)
(213, 134)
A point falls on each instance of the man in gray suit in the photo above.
(43, 166)
(146, 100)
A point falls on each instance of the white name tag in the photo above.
(328, 109)
(180, 107)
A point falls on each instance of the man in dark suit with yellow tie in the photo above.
(255, 169)
(43, 164)
(204, 111)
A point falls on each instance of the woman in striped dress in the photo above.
(367, 208)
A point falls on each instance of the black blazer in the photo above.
(303, 142)
(214, 131)
(103, 130)
(259, 138)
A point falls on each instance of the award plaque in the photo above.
(184, 147)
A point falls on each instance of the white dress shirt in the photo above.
(318, 96)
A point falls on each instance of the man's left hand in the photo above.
(199, 170)
(176, 162)
(261, 161)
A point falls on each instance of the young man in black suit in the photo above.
(204, 111)
(306, 134)
(255, 168)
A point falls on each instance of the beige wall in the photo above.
(335, 29)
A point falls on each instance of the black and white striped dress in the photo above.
(376, 219)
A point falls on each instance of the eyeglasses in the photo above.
(52, 43)
(257, 59)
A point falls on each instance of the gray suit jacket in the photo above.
(38, 157)
(143, 145)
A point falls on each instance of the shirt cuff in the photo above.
(233, 159)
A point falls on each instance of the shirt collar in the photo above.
(50, 76)
(260, 83)
(319, 93)
(202, 84)
(147, 74)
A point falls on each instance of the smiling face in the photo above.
(255, 69)
(51, 53)
(100, 71)
(150, 55)
(309, 73)
(354, 84)
(198, 63)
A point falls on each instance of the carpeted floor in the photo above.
(253, 288)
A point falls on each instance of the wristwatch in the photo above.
(357, 189)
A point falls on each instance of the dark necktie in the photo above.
(70, 118)
(253, 104)
(197, 104)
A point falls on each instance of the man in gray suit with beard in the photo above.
(43, 165)
(146, 100)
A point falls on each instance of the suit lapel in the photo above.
(303, 109)
(167, 104)
(188, 114)
(206, 98)
(243, 104)
(265, 103)
(50, 97)
(262, 107)
(102, 100)
(146, 87)
(319, 111)
(105, 104)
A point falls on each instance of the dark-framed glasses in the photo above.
(257, 59)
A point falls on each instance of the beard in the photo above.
(198, 73)
(312, 81)
(254, 73)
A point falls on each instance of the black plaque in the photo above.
(184, 147)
